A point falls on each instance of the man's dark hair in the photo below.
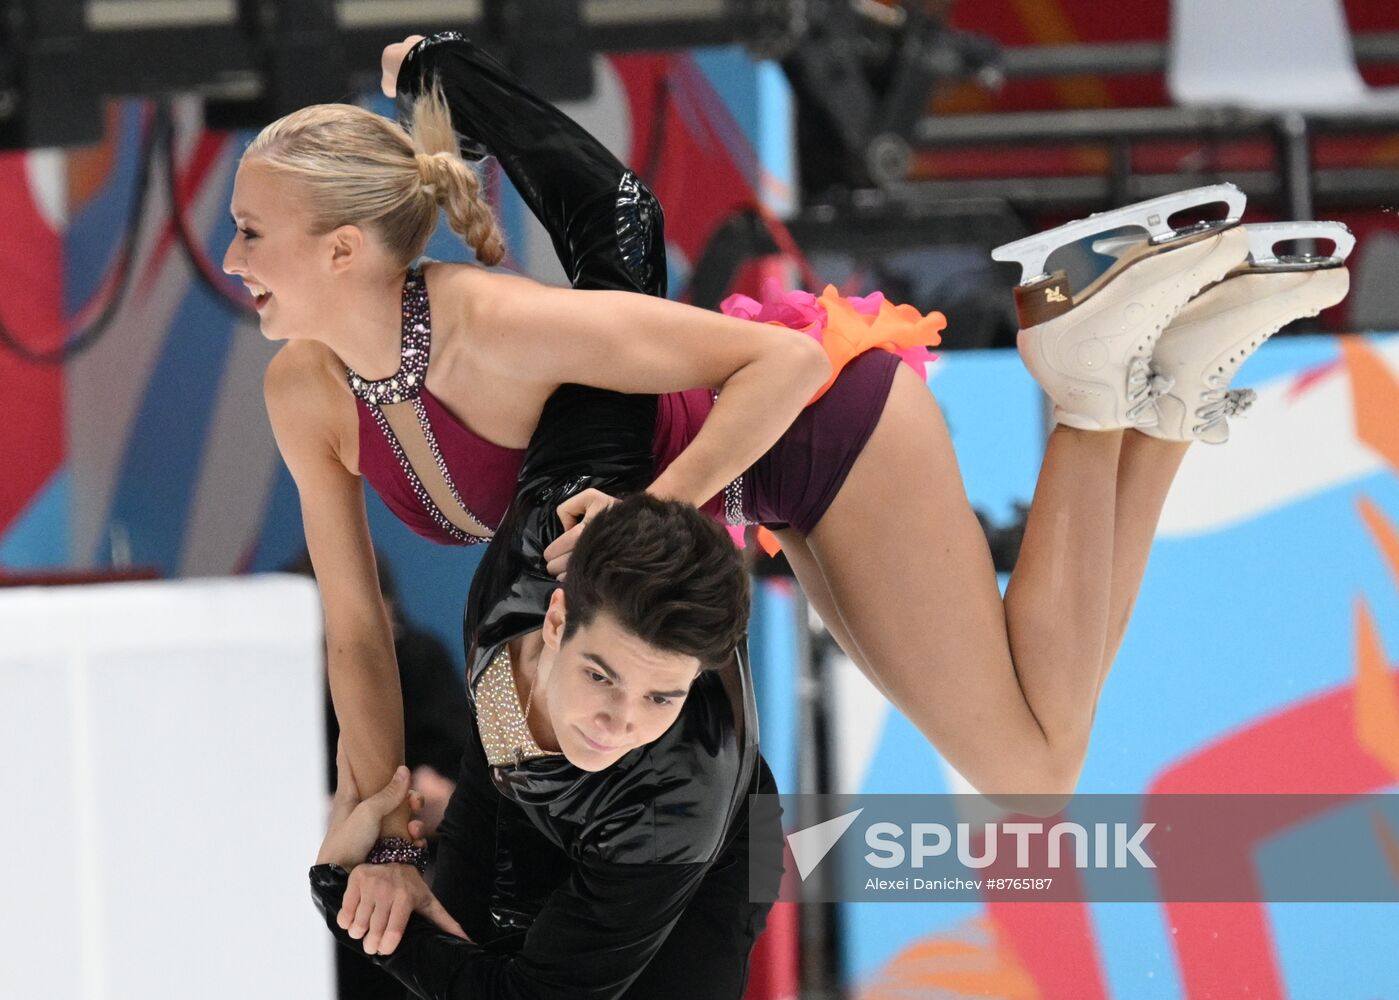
(665, 573)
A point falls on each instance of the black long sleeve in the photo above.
(631, 846)
(607, 227)
(426, 961)
(593, 937)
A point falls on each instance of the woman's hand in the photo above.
(574, 513)
(354, 823)
(391, 60)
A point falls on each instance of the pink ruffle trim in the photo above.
(846, 326)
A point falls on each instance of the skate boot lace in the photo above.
(1143, 388)
(1221, 402)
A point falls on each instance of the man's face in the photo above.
(607, 691)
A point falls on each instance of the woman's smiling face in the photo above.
(276, 256)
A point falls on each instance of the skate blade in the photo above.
(1263, 240)
(1032, 253)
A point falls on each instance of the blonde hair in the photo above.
(359, 168)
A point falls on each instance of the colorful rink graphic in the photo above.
(1261, 657)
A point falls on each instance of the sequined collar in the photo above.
(505, 734)
(414, 349)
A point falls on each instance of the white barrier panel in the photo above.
(162, 781)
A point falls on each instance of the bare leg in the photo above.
(1145, 472)
(813, 585)
(910, 572)
(1146, 468)
(1057, 602)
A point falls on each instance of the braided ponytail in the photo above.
(449, 180)
(359, 168)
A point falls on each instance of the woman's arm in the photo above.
(364, 686)
(582, 194)
(640, 344)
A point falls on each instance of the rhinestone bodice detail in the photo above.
(463, 483)
(505, 734)
(407, 382)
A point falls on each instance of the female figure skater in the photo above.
(600, 841)
(862, 486)
(443, 442)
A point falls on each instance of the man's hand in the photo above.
(391, 60)
(379, 900)
(354, 824)
(574, 513)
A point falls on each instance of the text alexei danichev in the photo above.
(920, 884)
(955, 884)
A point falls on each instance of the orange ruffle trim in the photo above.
(899, 329)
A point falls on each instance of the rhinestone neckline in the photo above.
(415, 346)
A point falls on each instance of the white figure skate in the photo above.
(1090, 351)
(1210, 338)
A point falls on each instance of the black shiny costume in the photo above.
(632, 881)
